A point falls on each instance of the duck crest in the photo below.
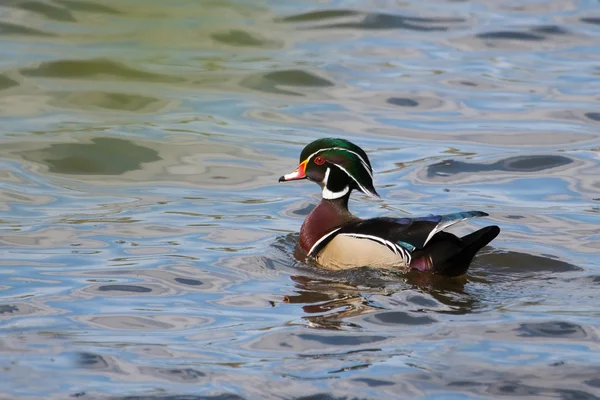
(326, 216)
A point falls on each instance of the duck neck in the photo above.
(326, 216)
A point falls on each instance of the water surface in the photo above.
(147, 248)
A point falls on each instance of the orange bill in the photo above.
(299, 173)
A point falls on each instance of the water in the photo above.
(147, 248)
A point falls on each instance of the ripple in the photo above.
(503, 382)
(241, 38)
(399, 318)
(181, 375)
(302, 342)
(8, 29)
(103, 156)
(92, 361)
(122, 322)
(526, 164)
(189, 282)
(8, 308)
(590, 20)
(373, 21)
(224, 396)
(168, 279)
(271, 82)
(146, 289)
(518, 389)
(374, 382)
(9, 199)
(112, 101)
(30, 310)
(512, 262)
(593, 383)
(402, 102)
(510, 35)
(390, 21)
(551, 30)
(196, 162)
(124, 288)
(86, 6)
(47, 10)
(49, 237)
(594, 116)
(6, 82)
(94, 68)
(319, 15)
(546, 36)
(562, 329)
(421, 301)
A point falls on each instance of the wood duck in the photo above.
(336, 239)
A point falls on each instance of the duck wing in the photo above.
(420, 242)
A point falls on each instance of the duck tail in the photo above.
(459, 263)
(449, 255)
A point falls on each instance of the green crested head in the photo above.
(337, 165)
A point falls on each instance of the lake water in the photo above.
(146, 247)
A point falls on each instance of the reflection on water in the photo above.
(237, 37)
(531, 163)
(273, 81)
(104, 156)
(146, 249)
(112, 101)
(372, 20)
(99, 69)
(6, 82)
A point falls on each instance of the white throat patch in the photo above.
(328, 194)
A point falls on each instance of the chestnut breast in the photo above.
(326, 216)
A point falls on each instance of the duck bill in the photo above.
(299, 173)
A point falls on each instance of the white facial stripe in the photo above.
(362, 160)
(326, 178)
(354, 179)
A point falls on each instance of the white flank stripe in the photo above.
(320, 240)
(398, 250)
(405, 254)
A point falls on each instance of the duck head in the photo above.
(337, 165)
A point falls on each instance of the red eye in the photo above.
(319, 160)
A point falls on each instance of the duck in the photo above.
(335, 239)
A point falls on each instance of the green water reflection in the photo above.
(103, 156)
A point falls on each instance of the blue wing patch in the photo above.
(407, 246)
(408, 221)
(462, 215)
